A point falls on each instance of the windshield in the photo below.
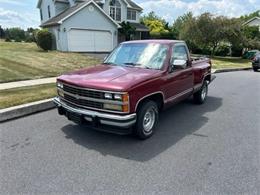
(143, 55)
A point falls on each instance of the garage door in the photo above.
(89, 41)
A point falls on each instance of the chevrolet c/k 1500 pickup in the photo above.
(126, 93)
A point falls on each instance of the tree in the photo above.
(44, 39)
(249, 16)
(180, 22)
(16, 34)
(127, 29)
(207, 31)
(30, 34)
(155, 23)
(2, 33)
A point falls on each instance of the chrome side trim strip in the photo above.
(57, 101)
(150, 94)
(179, 95)
(94, 99)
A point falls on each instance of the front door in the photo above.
(179, 81)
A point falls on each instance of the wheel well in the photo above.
(207, 78)
(157, 98)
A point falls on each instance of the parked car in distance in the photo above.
(250, 54)
(256, 62)
(126, 93)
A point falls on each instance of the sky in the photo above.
(24, 14)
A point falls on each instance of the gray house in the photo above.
(253, 22)
(89, 25)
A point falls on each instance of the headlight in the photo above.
(118, 97)
(60, 93)
(60, 85)
(108, 96)
(113, 107)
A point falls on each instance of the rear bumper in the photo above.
(94, 117)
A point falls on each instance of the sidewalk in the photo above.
(27, 83)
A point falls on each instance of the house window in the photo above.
(131, 15)
(49, 11)
(41, 14)
(115, 10)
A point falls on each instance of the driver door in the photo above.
(179, 81)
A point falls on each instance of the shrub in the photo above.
(237, 51)
(7, 39)
(44, 39)
(222, 50)
(163, 35)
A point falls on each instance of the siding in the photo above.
(123, 9)
(85, 19)
(60, 7)
(44, 8)
(255, 22)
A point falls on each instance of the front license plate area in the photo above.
(76, 118)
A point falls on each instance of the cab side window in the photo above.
(179, 52)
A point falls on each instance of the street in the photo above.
(212, 148)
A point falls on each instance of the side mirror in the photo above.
(179, 64)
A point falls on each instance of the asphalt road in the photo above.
(209, 149)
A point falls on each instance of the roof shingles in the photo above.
(56, 19)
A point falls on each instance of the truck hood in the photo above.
(108, 77)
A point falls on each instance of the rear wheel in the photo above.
(255, 69)
(201, 96)
(147, 119)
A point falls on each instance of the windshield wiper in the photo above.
(137, 65)
(110, 63)
(131, 64)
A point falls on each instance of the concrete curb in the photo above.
(231, 69)
(25, 109)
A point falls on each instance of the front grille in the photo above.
(83, 92)
(82, 102)
(86, 98)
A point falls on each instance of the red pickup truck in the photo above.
(135, 82)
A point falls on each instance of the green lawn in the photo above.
(22, 61)
(17, 96)
(230, 62)
(227, 62)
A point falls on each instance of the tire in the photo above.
(255, 69)
(201, 96)
(147, 120)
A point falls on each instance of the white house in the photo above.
(88, 25)
(253, 22)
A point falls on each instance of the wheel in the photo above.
(147, 119)
(201, 96)
(255, 69)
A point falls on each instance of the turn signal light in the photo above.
(125, 108)
(125, 98)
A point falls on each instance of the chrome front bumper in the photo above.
(123, 121)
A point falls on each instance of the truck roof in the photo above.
(162, 41)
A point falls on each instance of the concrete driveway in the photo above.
(208, 149)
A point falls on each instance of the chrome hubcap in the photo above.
(204, 92)
(149, 119)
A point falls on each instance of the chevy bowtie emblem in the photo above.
(77, 96)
